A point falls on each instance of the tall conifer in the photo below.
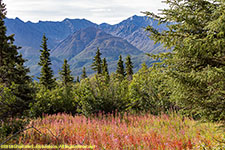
(13, 74)
(105, 71)
(197, 64)
(83, 76)
(129, 68)
(78, 79)
(65, 74)
(97, 62)
(120, 67)
(46, 78)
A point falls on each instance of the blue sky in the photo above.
(98, 11)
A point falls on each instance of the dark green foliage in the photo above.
(129, 68)
(11, 127)
(78, 79)
(105, 71)
(120, 68)
(149, 91)
(196, 66)
(65, 74)
(83, 76)
(14, 101)
(6, 100)
(46, 77)
(13, 74)
(97, 62)
(15, 91)
(104, 67)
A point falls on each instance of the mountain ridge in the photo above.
(69, 39)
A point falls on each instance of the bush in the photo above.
(10, 127)
(57, 100)
(10, 116)
(149, 92)
(95, 95)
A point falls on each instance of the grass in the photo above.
(132, 132)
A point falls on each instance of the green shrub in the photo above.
(95, 95)
(149, 92)
(57, 100)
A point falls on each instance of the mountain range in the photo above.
(77, 41)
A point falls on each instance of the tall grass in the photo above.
(132, 132)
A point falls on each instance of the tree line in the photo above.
(99, 65)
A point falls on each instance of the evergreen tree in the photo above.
(197, 64)
(120, 67)
(129, 68)
(13, 75)
(66, 77)
(78, 79)
(83, 76)
(97, 62)
(105, 71)
(46, 77)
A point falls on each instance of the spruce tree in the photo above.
(84, 76)
(120, 67)
(129, 68)
(78, 79)
(46, 78)
(97, 62)
(65, 74)
(105, 71)
(13, 74)
(197, 64)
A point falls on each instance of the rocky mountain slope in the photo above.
(133, 30)
(77, 40)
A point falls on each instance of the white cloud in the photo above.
(98, 11)
(101, 10)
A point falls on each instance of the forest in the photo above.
(185, 86)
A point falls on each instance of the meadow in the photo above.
(114, 132)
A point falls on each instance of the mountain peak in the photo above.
(138, 19)
(133, 17)
(18, 19)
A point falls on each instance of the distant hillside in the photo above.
(132, 29)
(29, 35)
(111, 47)
(77, 40)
